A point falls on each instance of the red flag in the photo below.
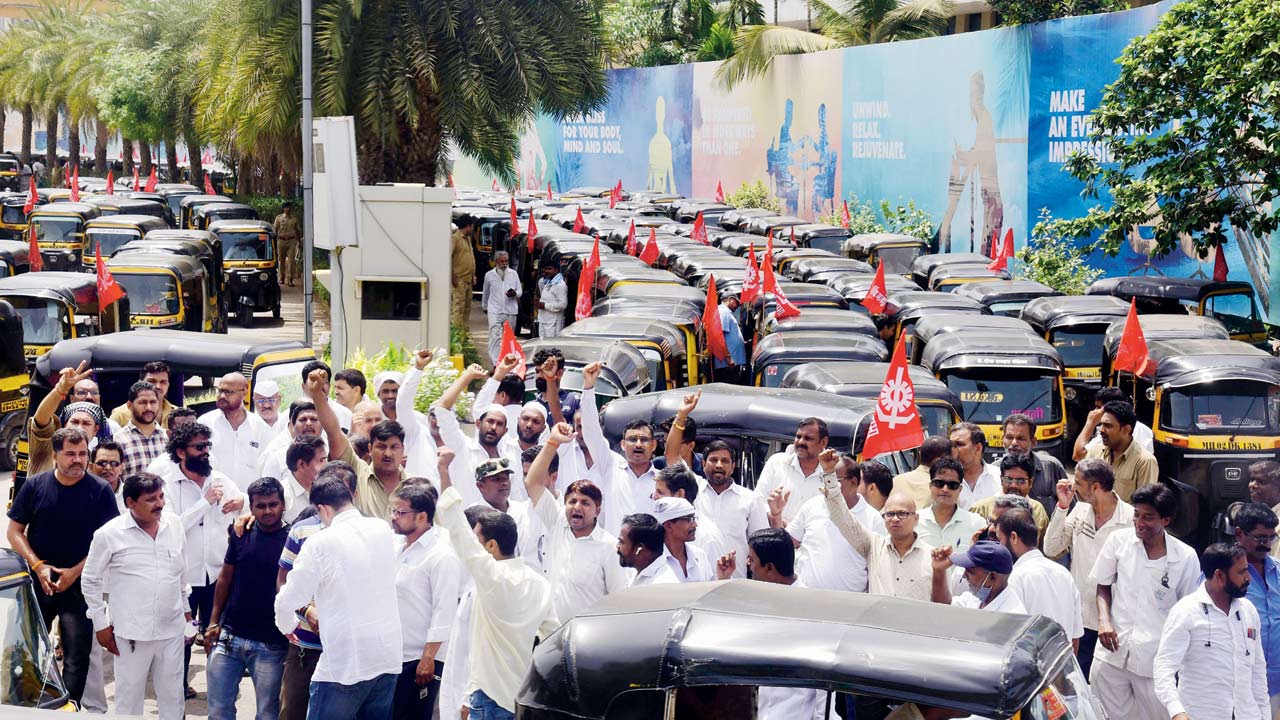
(515, 219)
(137, 184)
(1131, 356)
(549, 196)
(615, 195)
(151, 180)
(1004, 254)
(700, 230)
(587, 282)
(208, 185)
(711, 327)
(108, 290)
(511, 346)
(845, 219)
(32, 198)
(493, 184)
(877, 297)
(770, 285)
(111, 182)
(631, 239)
(35, 261)
(578, 223)
(531, 232)
(650, 252)
(719, 192)
(450, 179)
(895, 425)
(75, 184)
(751, 283)
(1220, 266)
(793, 235)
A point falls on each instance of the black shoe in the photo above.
(191, 693)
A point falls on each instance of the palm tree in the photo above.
(839, 23)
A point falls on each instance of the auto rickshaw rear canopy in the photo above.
(1170, 326)
(1178, 363)
(1047, 314)
(991, 349)
(990, 292)
(976, 272)
(79, 290)
(909, 305)
(623, 365)
(865, 379)
(734, 219)
(822, 319)
(624, 327)
(922, 267)
(808, 346)
(934, 324)
(1156, 288)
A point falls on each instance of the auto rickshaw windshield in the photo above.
(28, 657)
(41, 319)
(8, 164)
(1079, 347)
(897, 260)
(831, 243)
(110, 238)
(1244, 407)
(991, 395)
(53, 229)
(246, 246)
(13, 215)
(937, 419)
(151, 294)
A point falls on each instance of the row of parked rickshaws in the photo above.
(185, 260)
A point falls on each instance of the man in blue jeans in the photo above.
(242, 634)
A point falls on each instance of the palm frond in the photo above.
(756, 46)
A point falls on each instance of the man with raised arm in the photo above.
(490, 442)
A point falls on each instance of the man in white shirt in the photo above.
(553, 298)
(138, 558)
(640, 549)
(303, 421)
(1210, 662)
(825, 560)
(348, 571)
(500, 300)
(579, 558)
(680, 557)
(981, 478)
(987, 565)
(490, 441)
(679, 481)
(793, 476)
(239, 436)
(505, 388)
(494, 483)
(304, 458)
(1141, 572)
(422, 438)
(1045, 587)
(207, 501)
(589, 457)
(943, 522)
(513, 606)
(266, 405)
(1082, 532)
(1090, 437)
(427, 588)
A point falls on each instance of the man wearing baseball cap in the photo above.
(986, 565)
(494, 482)
(679, 524)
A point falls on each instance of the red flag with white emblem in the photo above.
(895, 424)
(587, 283)
(785, 307)
(751, 283)
(877, 297)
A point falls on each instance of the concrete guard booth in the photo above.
(394, 277)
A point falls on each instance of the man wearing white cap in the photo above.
(679, 529)
(386, 388)
(490, 442)
(504, 388)
(266, 403)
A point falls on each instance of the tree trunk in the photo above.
(193, 151)
(416, 153)
(28, 116)
(73, 143)
(51, 140)
(103, 134)
(126, 147)
(171, 149)
(4, 117)
(144, 155)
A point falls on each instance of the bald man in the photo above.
(239, 436)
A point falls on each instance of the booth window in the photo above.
(386, 300)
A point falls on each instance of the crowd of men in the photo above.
(357, 558)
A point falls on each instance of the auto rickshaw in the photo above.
(907, 307)
(13, 384)
(739, 243)
(111, 232)
(250, 273)
(29, 674)
(625, 371)
(173, 194)
(685, 316)
(1231, 302)
(949, 277)
(672, 362)
(56, 306)
(694, 267)
(939, 406)
(1159, 327)
(617, 276)
(816, 236)
(941, 324)
(735, 220)
(831, 320)
(896, 252)
(208, 254)
(816, 269)
(160, 200)
(701, 650)
(10, 171)
(922, 267)
(853, 288)
(686, 211)
(778, 352)
(123, 205)
(998, 373)
(783, 258)
(13, 216)
(187, 205)
(55, 195)
(14, 258)
(207, 213)
(166, 291)
(59, 230)
(117, 360)
(776, 224)
(1006, 297)
(1214, 409)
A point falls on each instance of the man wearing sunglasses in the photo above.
(108, 464)
(944, 522)
(1017, 477)
(266, 403)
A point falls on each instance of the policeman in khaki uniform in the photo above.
(463, 265)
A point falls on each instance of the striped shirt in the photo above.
(307, 637)
(138, 450)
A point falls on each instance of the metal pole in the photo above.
(308, 206)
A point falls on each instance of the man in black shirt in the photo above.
(51, 524)
(243, 631)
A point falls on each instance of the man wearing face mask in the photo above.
(986, 565)
(500, 300)
(1210, 663)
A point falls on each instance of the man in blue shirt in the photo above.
(1255, 526)
(731, 370)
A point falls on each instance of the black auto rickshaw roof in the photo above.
(802, 294)
(219, 207)
(924, 265)
(990, 349)
(810, 265)
(144, 223)
(806, 346)
(739, 243)
(867, 242)
(184, 266)
(1049, 313)
(78, 289)
(649, 292)
(812, 230)
(762, 224)
(962, 271)
(854, 287)
(692, 267)
(864, 380)
(989, 292)
(122, 203)
(624, 366)
(679, 312)
(239, 225)
(734, 219)
(168, 189)
(795, 253)
(1167, 326)
(704, 634)
(1160, 287)
(1176, 363)
(83, 210)
(189, 200)
(624, 327)
(15, 250)
(193, 247)
(822, 318)
(913, 304)
(950, 321)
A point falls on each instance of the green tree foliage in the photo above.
(1020, 12)
(1201, 92)
(754, 195)
(862, 217)
(645, 33)
(1055, 260)
(906, 219)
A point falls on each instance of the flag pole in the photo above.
(308, 196)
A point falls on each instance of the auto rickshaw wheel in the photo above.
(245, 316)
(275, 310)
(9, 435)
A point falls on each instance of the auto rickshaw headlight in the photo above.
(1070, 394)
(263, 276)
(1151, 394)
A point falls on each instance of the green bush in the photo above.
(754, 195)
(1053, 258)
(862, 217)
(460, 343)
(906, 219)
(437, 377)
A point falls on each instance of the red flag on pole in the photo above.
(845, 219)
(549, 195)
(450, 179)
(877, 297)
(895, 425)
(151, 180)
(711, 327)
(111, 182)
(578, 222)
(719, 192)
(785, 307)
(35, 260)
(531, 232)
(515, 219)
(108, 290)
(793, 235)
(1220, 265)
(1131, 356)
(75, 184)
(511, 346)
(493, 185)
(137, 184)
(1004, 253)
(700, 230)
(615, 195)
(631, 239)
(32, 198)
(650, 252)
(208, 185)
(587, 283)
(751, 283)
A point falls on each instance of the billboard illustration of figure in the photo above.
(824, 182)
(778, 160)
(978, 170)
(803, 168)
(531, 168)
(661, 162)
